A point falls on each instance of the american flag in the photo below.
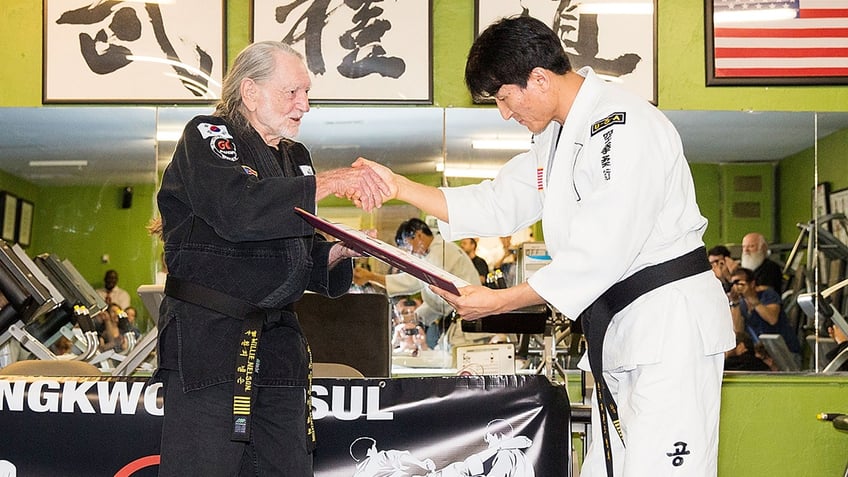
(780, 38)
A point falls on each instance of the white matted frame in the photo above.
(620, 45)
(839, 205)
(9, 211)
(133, 52)
(378, 52)
(23, 222)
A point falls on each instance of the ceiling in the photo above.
(119, 144)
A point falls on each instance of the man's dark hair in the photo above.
(407, 229)
(507, 51)
(744, 272)
(719, 251)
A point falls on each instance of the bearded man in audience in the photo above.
(755, 252)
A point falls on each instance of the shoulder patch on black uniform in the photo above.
(224, 148)
(614, 118)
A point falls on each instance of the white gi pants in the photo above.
(669, 412)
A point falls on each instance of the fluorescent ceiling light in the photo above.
(474, 173)
(617, 8)
(58, 163)
(502, 144)
(741, 16)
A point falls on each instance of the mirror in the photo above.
(75, 160)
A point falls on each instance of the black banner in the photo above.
(472, 425)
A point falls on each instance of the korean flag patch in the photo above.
(224, 148)
(614, 118)
(213, 130)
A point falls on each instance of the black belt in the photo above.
(254, 317)
(597, 317)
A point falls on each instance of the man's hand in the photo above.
(475, 302)
(361, 185)
(386, 174)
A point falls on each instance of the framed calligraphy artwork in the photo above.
(790, 42)
(133, 52)
(371, 51)
(618, 40)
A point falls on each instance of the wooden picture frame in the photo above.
(23, 222)
(750, 42)
(622, 41)
(133, 52)
(380, 53)
(9, 210)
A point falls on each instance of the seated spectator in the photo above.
(723, 265)
(506, 264)
(758, 310)
(755, 252)
(469, 245)
(743, 357)
(409, 335)
(106, 323)
(131, 315)
(841, 340)
(415, 237)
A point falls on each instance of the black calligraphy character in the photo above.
(315, 19)
(365, 36)
(679, 452)
(586, 46)
(104, 55)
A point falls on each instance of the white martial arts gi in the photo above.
(617, 196)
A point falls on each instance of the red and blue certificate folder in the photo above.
(400, 259)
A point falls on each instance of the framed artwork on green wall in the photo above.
(839, 205)
(791, 42)
(357, 52)
(23, 223)
(618, 40)
(9, 209)
(133, 52)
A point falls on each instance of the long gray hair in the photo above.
(256, 62)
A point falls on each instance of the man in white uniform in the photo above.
(607, 176)
(415, 236)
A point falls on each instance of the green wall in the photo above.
(768, 425)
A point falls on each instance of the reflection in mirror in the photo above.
(479, 141)
(104, 148)
(408, 140)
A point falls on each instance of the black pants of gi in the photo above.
(198, 425)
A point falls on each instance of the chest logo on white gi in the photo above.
(606, 159)
(614, 118)
(224, 148)
(213, 130)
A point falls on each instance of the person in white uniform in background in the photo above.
(607, 176)
(415, 236)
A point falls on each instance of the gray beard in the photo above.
(752, 261)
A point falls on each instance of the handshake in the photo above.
(366, 183)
